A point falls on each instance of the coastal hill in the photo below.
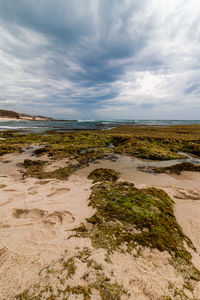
(18, 116)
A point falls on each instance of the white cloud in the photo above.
(109, 58)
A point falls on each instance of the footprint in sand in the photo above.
(187, 195)
(3, 225)
(34, 214)
(2, 186)
(58, 192)
(43, 182)
(6, 202)
(58, 217)
(3, 255)
(32, 190)
(53, 218)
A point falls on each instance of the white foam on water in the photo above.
(16, 127)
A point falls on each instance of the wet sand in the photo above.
(37, 218)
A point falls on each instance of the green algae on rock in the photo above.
(168, 139)
(5, 149)
(151, 142)
(103, 174)
(35, 168)
(178, 168)
(146, 149)
(127, 216)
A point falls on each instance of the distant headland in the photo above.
(9, 115)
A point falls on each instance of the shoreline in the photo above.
(62, 127)
(2, 119)
(8, 119)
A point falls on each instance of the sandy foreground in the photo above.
(37, 218)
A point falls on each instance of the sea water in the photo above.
(43, 126)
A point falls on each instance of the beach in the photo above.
(52, 245)
(99, 150)
(8, 119)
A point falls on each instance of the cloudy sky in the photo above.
(102, 59)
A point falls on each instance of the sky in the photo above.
(101, 59)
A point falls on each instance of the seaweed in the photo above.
(65, 269)
(151, 142)
(103, 174)
(129, 216)
(178, 168)
(35, 168)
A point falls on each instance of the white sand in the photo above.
(37, 217)
(8, 119)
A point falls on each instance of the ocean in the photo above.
(43, 126)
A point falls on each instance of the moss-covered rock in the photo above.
(103, 174)
(129, 216)
(178, 169)
(6, 149)
(151, 142)
(35, 168)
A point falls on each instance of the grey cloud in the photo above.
(97, 54)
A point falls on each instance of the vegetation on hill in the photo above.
(9, 114)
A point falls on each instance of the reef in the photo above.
(81, 148)
(151, 142)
